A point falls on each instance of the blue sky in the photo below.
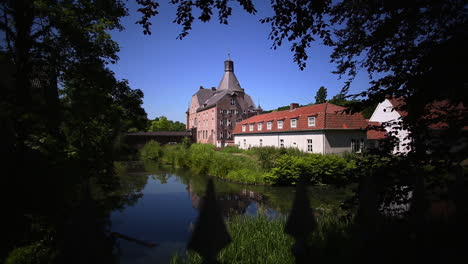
(169, 71)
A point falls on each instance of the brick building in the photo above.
(214, 112)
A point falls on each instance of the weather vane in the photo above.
(229, 53)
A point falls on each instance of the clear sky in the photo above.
(169, 71)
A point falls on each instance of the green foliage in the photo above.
(151, 151)
(32, 254)
(231, 149)
(315, 168)
(268, 155)
(262, 240)
(321, 96)
(163, 124)
(254, 240)
(201, 157)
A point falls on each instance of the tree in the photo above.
(321, 96)
(163, 124)
(405, 46)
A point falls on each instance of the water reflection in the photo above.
(168, 208)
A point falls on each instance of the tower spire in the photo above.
(229, 54)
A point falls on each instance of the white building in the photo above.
(388, 112)
(321, 128)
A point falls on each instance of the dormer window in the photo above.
(259, 126)
(311, 121)
(251, 127)
(269, 125)
(280, 124)
(244, 127)
(233, 101)
(293, 123)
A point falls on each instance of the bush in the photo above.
(201, 157)
(287, 170)
(231, 149)
(315, 168)
(36, 253)
(152, 151)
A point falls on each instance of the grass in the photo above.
(254, 240)
(259, 166)
(262, 240)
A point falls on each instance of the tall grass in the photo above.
(266, 165)
(262, 240)
(254, 240)
(151, 151)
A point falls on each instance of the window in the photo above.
(224, 111)
(221, 122)
(244, 127)
(228, 122)
(260, 142)
(237, 112)
(229, 135)
(280, 124)
(293, 123)
(245, 143)
(311, 121)
(282, 143)
(233, 101)
(221, 134)
(251, 127)
(228, 111)
(309, 145)
(221, 111)
(269, 125)
(259, 126)
(357, 145)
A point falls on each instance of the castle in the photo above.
(214, 112)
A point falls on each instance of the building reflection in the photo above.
(230, 203)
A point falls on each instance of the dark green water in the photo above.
(168, 208)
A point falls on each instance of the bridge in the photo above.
(139, 139)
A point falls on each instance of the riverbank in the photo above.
(261, 240)
(258, 166)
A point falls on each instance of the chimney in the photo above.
(228, 65)
(293, 106)
(213, 89)
(201, 87)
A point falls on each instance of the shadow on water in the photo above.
(167, 211)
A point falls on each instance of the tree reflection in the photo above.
(66, 215)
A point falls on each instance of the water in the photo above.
(168, 209)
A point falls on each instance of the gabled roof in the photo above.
(327, 116)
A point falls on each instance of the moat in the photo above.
(167, 208)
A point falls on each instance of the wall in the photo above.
(294, 139)
(384, 113)
(339, 141)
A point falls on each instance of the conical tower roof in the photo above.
(229, 82)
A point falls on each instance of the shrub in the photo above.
(315, 168)
(287, 170)
(222, 164)
(201, 156)
(231, 149)
(152, 151)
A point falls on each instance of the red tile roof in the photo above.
(437, 110)
(373, 133)
(327, 116)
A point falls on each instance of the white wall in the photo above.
(339, 141)
(295, 140)
(384, 113)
